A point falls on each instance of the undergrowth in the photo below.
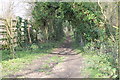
(98, 64)
(25, 56)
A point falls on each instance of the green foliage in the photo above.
(34, 47)
(22, 32)
(87, 21)
(101, 59)
(22, 58)
(99, 66)
(30, 49)
(48, 18)
(97, 37)
(83, 17)
(25, 56)
(5, 54)
(18, 30)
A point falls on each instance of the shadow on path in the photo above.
(70, 67)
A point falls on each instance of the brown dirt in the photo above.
(71, 67)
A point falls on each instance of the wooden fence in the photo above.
(3, 32)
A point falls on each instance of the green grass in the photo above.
(54, 59)
(98, 65)
(25, 56)
(14, 65)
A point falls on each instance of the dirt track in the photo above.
(70, 67)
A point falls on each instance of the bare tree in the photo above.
(109, 11)
(7, 19)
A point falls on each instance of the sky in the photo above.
(20, 7)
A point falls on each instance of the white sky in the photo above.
(19, 7)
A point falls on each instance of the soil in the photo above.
(71, 67)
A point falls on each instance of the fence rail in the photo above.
(14, 29)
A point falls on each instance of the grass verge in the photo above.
(24, 56)
(14, 65)
(98, 65)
